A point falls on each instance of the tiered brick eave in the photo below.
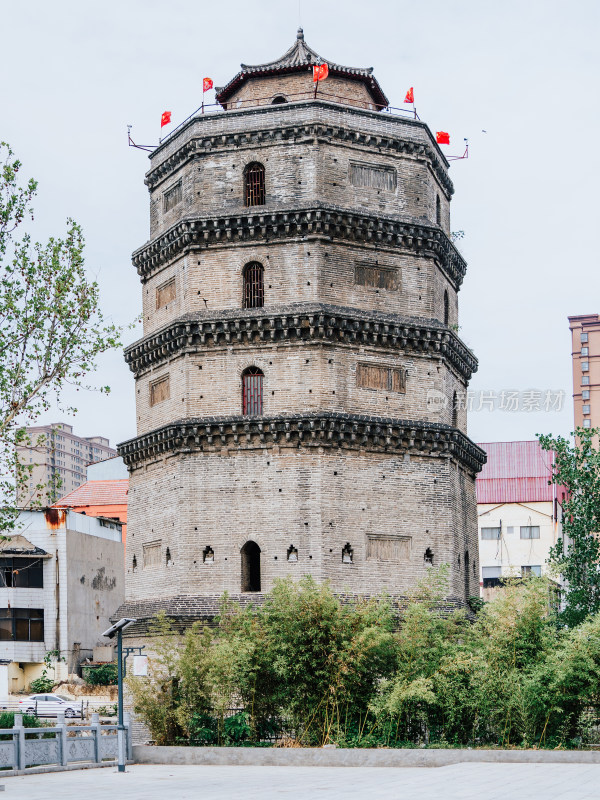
(302, 322)
(316, 429)
(319, 221)
(315, 120)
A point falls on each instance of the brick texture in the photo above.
(384, 467)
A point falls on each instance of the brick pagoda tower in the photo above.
(297, 380)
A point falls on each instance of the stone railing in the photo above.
(60, 745)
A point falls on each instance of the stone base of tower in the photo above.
(372, 516)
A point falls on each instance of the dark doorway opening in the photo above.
(250, 567)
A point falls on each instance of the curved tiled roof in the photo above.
(296, 59)
(97, 493)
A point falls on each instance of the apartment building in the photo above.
(59, 459)
(519, 512)
(585, 352)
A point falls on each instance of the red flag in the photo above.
(320, 72)
(442, 137)
(410, 96)
(165, 119)
(207, 84)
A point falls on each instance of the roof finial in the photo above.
(300, 34)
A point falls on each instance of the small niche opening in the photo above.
(428, 557)
(134, 564)
(292, 553)
(208, 555)
(168, 558)
(347, 554)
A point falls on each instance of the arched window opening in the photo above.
(446, 307)
(428, 557)
(454, 410)
(254, 285)
(254, 180)
(168, 558)
(292, 553)
(134, 564)
(278, 99)
(252, 392)
(347, 554)
(438, 210)
(208, 555)
(250, 567)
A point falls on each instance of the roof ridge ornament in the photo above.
(300, 34)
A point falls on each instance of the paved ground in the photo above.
(456, 782)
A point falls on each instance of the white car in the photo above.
(50, 705)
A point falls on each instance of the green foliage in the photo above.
(102, 675)
(40, 685)
(7, 720)
(308, 668)
(51, 330)
(577, 554)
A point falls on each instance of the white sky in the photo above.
(74, 74)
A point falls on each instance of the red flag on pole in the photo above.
(207, 84)
(165, 119)
(442, 137)
(410, 96)
(320, 72)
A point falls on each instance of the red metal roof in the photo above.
(516, 472)
(97, 493)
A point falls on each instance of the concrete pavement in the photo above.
(456, 782)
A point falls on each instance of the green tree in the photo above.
(51, 329)
(576, 554)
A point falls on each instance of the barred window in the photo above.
(254, 180)
(252, 392)
(446, 307)
(254, 285)
(438, 210)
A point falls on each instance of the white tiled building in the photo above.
(61, 577)
(519, 512)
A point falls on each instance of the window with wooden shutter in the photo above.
(160, 390)
(378, 376)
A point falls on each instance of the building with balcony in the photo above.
(61, 577)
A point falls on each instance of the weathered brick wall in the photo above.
(299, 86)
(316, 501)
(297, 378)
(399, 503)
(299, 272)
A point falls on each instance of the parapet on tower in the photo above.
(298, 376)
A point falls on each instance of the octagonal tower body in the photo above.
(299, 380)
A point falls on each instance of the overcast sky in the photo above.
(74, 74)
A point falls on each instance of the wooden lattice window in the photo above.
(254, 180)
(172, 197)
(446, 307)
(160, 390)
(252, 392)
(377, 376)
(254, 285)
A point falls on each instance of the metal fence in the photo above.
(60, 745)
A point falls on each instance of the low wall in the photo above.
(356, 757)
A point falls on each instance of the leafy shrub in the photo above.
(101, 675)
(41, 685)
(305, 668)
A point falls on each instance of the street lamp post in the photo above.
(117, 630)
